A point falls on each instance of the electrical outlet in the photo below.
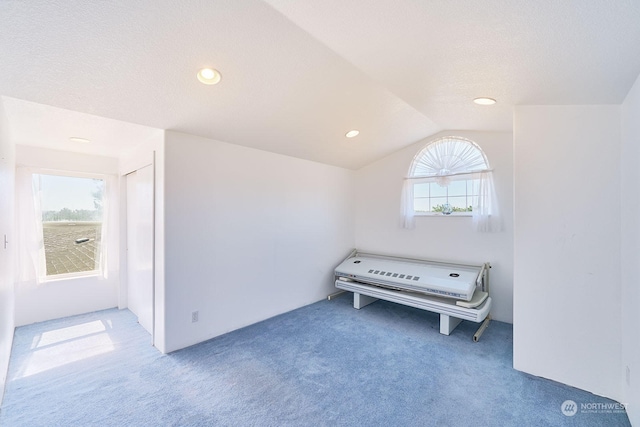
(194, 317)
(628, 376)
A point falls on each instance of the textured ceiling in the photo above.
(298, 74)
(437, 55)
(44, 126)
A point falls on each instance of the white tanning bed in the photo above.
(455, 291)
(444, 280)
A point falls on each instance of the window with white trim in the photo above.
(72, 215)
(451, 176)
(456, 198)
(442, 176)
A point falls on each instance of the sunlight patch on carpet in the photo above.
(58, 347)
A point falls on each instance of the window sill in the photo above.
(439, 215)
(71, 276)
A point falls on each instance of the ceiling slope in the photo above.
(281, 91)
(439, 55)
(297, 75)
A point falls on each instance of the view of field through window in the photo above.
(72, 214)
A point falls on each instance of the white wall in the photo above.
(378, 193)
(249, 235)
(630, 169)
(567, 245)
(7, 176)
(67, 297)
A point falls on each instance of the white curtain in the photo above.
(408, 214)
(109, 216)
(448, 156)
(31, 263)
(486, 215)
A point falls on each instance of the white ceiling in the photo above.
(297, 75)
(44, 126)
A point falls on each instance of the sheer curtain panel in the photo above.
(30, 245)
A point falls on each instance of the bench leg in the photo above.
(360, 300)
(448, 323)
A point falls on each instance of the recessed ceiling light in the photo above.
(352, 133)
(209, 76)
(484, 101)
(77, 139)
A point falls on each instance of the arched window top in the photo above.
(447, 156)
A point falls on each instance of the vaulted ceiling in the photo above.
(297, 75)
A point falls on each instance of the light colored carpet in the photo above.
(326, 364)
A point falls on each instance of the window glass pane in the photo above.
(458, 188)
(437, 190)
(421, 190)
(458, 204)
(437, 204)
(472, 200)
(472, 186)
(421, 205)
(71, 223)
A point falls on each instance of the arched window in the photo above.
(451, 176)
